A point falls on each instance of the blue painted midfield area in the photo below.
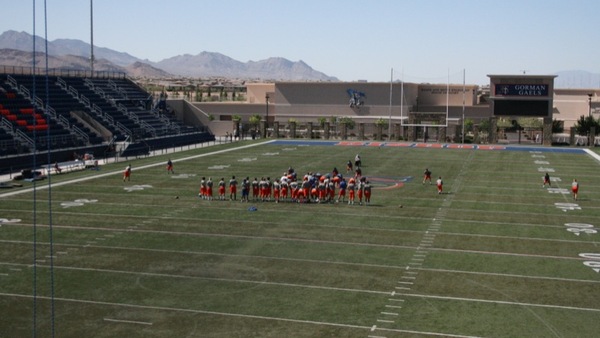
(427, 145)
(547, 149)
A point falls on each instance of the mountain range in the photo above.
(16, 49)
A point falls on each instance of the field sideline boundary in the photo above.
(592, 154)
(82, 179)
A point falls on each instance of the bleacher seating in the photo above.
(31, 123)
(117, 104)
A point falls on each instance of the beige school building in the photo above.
(398, 110)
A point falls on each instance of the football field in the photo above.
(496, 254)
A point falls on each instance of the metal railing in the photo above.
(61, 72)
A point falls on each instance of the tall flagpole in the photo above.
(447, 96)
(390, 120)
(402, 100)
(463, 109)
(92, 36)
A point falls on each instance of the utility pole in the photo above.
(92, 36)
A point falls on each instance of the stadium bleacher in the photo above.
(62, 112)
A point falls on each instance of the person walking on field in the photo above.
(351, 190)
(575, 188)
(57, 169)
(546, 180)
(367, 192)
(202, 193)
(127, 173)
(357, 161)
(209, 189)
(427, 176)
(222, 189)
(245, 189)
(233, 188)
(170, 167)
(342, 193)
(440, 185)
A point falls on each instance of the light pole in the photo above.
(267, 117)
(92, 37)
(590, 104)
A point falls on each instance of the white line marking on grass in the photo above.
(75, 247)
(389, 313)
(3, 274)
(510, 275)
(228, 314)
(510, 237)
(126, 321)
(504, 253)
(120, 172)
(384, 321)
(149, 274)
(394, 306)
(395, 300)
(489, 301)
(406, 268)
(592, 154)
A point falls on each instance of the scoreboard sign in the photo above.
(539, 108)
(522, 95)
(521, 90)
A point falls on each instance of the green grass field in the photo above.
(496, 255)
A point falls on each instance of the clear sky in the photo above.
(422, 40)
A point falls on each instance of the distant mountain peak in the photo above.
(213, 64)
(204, 64)
(577, 79)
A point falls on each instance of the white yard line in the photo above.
(549, 306)
(126, 321)
(228, 314)
(302, 240)
(592, 154)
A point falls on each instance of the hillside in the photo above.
(16, 50)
